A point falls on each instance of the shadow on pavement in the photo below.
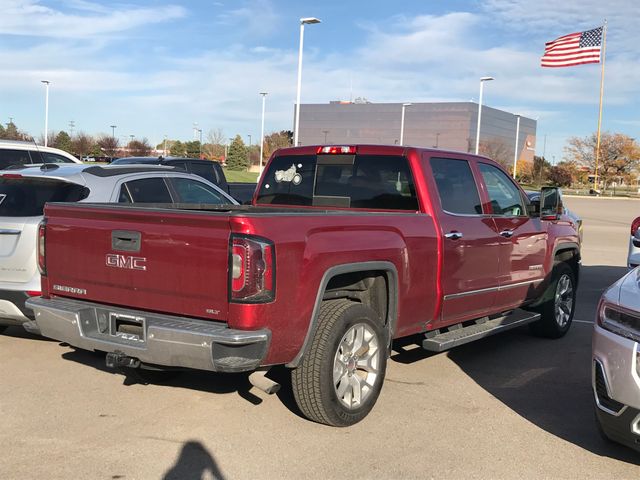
(194, 463)
(20, 332)
(548, 382)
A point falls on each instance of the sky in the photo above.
(153, 68)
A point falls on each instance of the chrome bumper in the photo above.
(151, 338)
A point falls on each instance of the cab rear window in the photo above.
(351, 181)
(26, 197)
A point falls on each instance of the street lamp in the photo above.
(113, 131)
(46, 111)
(325, 135)
(264, 96)
(515, 155)
(482, 80)
(303, 22)
(437, 140)
(404, 106)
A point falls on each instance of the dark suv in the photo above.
(210, 170)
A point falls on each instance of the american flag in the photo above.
(573, 49)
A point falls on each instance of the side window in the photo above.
(192, 191)
(48, 157)
(148, 190)
(504, 195)
(124, 196)
(14, 157)
(456, 186)
(203, 170)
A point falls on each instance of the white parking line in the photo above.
(583, 321)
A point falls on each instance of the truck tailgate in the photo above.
(156, 260)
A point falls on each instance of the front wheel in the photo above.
(559, 304)
(340, 377)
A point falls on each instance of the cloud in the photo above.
(257, 18)
(32, 18)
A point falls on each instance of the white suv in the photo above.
(24, 192)
(13, 152)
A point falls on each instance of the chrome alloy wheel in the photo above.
(356, 365)
(563, 300)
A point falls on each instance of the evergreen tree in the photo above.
(63, 142)
(238, 158)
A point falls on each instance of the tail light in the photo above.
(635, 225)
(42, 264)
(252, 273)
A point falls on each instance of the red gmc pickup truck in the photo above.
(344, 249)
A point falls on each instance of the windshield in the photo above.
(26, 197)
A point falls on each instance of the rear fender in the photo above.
(391, 273)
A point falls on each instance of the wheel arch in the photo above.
(336, 273)
(568, 252)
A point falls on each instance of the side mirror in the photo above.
(550, 203)
(534, 208)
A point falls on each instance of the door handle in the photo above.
(453, 235)
(507, 233)
(9, 231)
(125, 241)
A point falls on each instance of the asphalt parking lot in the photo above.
(510, 406)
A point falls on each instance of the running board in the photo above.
(461, 335)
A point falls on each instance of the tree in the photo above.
(237, 158)
(82, 145)
(12, 133)
(177, 149)
(560, 175)
(276, 140)
(108, 145)
(63, 142)
(497, 150)
(192, 149)
(215, 148)
(619, 155)
(139, 148)
(540, 170)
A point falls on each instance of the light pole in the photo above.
(164, 148)
(303, 22)
(515, 154)
(404, 106)
(113, 131)
(482, 80)
(46, 111)
(325, 135)
(264, 97)
(199, 130)
(437, 139)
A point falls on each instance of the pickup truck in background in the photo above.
(344, 249)
(207, 169)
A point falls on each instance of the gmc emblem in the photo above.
(124, 261)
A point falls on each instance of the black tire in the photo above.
(313, 381)
(3, 328)
(555, 322)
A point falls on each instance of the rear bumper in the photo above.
(12, 307)
(154, 339)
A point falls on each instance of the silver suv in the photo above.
(616, 361)
(24, 192)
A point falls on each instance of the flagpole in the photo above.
(604, 53)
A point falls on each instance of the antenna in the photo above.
(38, 150)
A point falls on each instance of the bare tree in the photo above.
(139, 148)
(108, 144)
(83, 144)
(214, 149)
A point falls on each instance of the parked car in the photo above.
(212, 171)
(14, 152)
(344, 249)
(24, 192)
(616, 361)
(633, 257)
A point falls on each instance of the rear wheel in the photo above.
(559, 304)
(340, 377)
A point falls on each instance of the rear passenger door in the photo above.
(469, 275)
(522, 239)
